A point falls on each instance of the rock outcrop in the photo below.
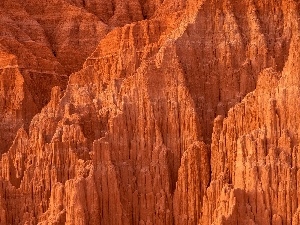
(255, 153)
(41, 43)
(184, 112)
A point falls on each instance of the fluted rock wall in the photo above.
(42, 42)
(184, 113)
(255, 150)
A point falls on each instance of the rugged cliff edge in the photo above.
(184, 112)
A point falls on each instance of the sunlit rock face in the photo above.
(149, 112)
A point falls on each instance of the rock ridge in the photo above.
(184, 112)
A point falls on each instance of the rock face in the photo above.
(41, 43)
(183, 112)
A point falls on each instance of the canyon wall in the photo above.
(149, 112)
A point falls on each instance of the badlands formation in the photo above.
(150, 112)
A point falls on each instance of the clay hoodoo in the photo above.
(149, 112)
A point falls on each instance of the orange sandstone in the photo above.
(174, 112)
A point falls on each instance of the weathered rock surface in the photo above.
(186, 112)
(41, 42)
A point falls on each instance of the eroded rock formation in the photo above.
(184, 112)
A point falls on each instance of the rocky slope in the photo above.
(184, 113)
(42, 42)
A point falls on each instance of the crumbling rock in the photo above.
(184, 112)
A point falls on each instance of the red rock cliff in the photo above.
(184, 112)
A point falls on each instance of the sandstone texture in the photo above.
(149, 112)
